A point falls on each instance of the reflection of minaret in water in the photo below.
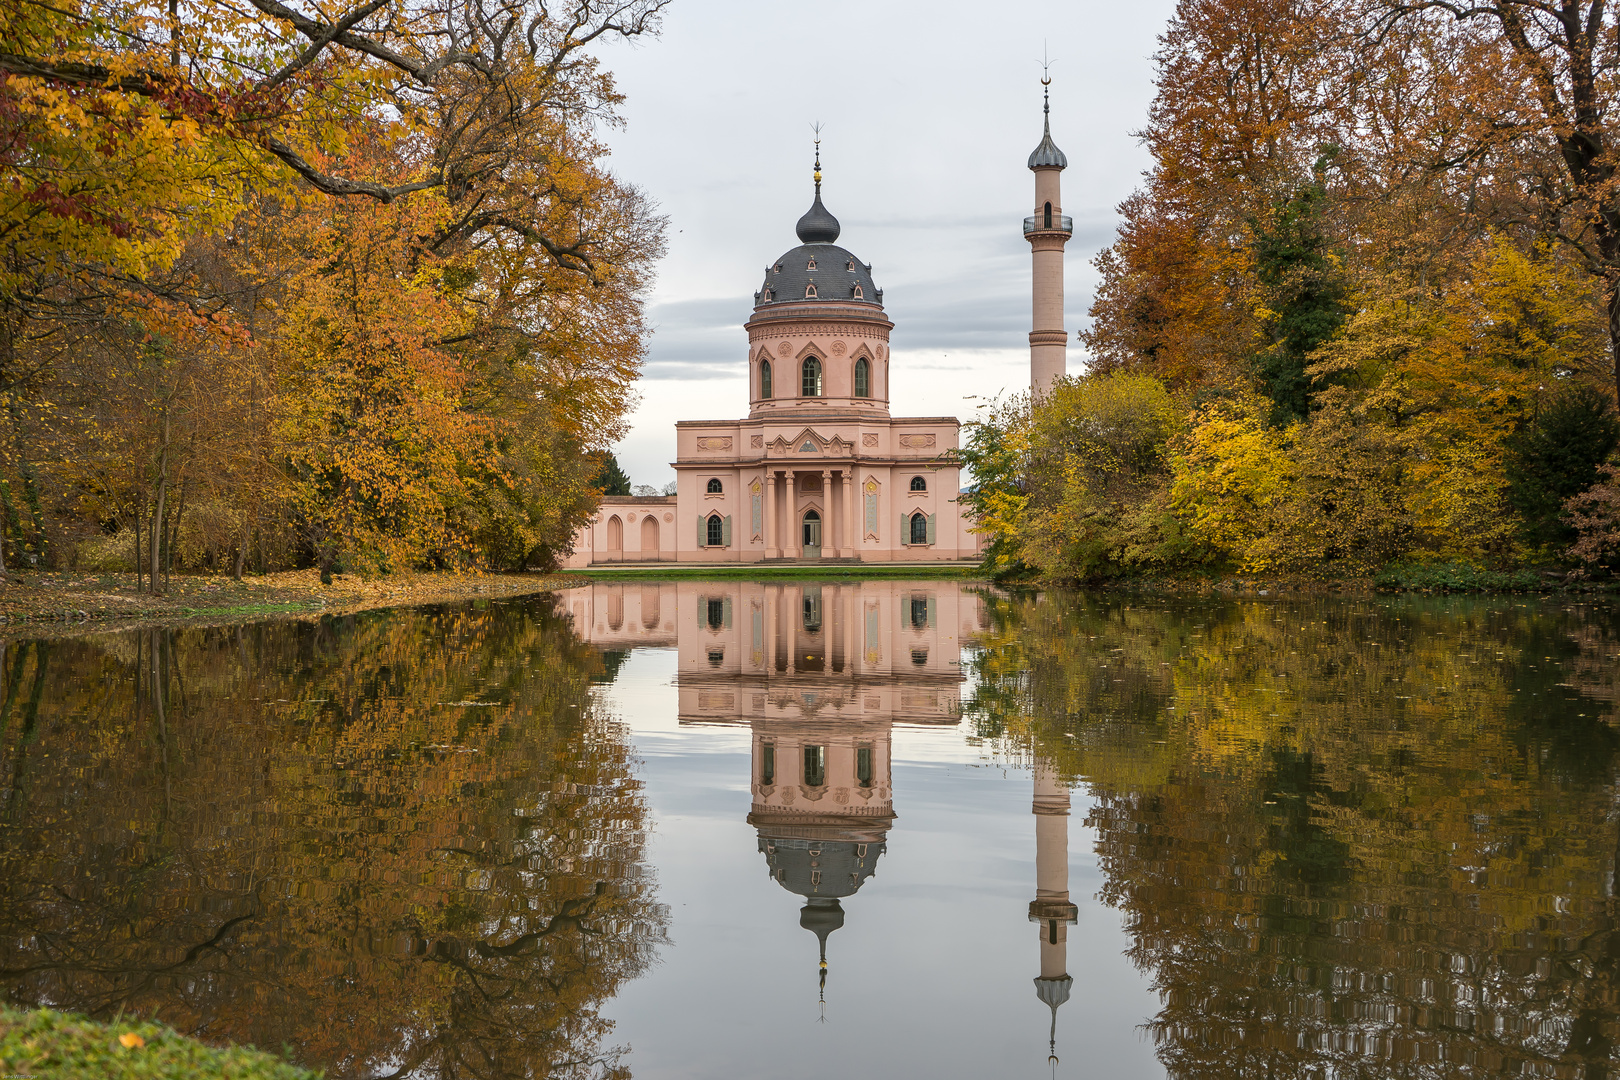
(1051, 908)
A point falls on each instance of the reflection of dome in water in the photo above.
(821, 871)
(820, 868)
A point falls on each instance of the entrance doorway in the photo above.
(812, 535)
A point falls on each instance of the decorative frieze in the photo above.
(917, 442)
(714, 442)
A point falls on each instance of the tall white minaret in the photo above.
(1051, 908)
(1047, 232)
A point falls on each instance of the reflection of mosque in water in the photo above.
(820, 674)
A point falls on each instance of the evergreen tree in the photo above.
(1304, 293)
(611, 478)
(1556, 455)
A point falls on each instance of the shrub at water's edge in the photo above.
(50, 1045)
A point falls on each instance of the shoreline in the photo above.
(58, 604)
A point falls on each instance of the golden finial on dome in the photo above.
(816, 127)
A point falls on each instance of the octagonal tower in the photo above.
(818, 340)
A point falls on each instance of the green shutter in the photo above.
(905, 529)
(703, 527)
(725, 534)
(726, 608)
(933, 613)
(931, 535)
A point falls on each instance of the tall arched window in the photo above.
(764, 378)
(812, 377)
(1048, 215)
(716, 534)
(715, 487)
(919, 528)
(863, 378)
(919, 483)
(615, 531)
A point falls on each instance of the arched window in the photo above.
(714, 486)
(1048, 216)
(919, 528)
(615, 531)
(919, 483)
(812, 377)
(863, 378)
(716, 532)
(764, 378)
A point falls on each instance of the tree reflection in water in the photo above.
(1350, 838)
(399, 844)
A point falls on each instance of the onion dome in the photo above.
(817, 226)
(1047, 155)
(818, 269)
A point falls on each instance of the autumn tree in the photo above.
(218, 134)
(1537, 94)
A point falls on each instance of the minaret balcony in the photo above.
(1061, 223)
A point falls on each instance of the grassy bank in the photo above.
(48, 1045)
(34, 603)
(1396, 578)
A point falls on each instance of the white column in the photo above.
(852, 521)
(828, 538)
(790, 549)
(770, 514)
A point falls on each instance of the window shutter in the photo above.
(727, 616)
(905, 528)
(933, 613)
(703, 530)
(931, 535)
(725, 538)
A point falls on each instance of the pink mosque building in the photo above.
(820, 470)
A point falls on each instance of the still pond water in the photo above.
(616, 831)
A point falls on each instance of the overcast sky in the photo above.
(929, 111)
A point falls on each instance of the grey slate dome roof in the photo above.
(827, 869)
(834, 271)
(818, 226)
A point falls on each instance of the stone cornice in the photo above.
(852, 323)
(811, 463)
(800, 418)
(1048, 337)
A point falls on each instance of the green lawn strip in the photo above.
(49, 1045)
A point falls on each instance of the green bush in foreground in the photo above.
(50, 1045)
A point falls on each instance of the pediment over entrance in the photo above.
(807, 442)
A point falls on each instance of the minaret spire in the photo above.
(1047, 232)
